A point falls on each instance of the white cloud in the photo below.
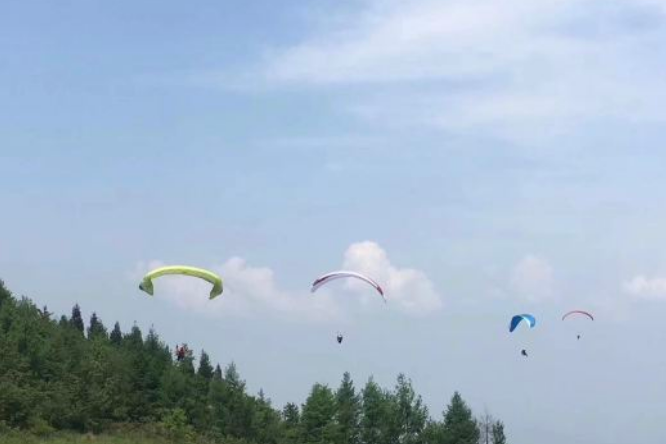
(514, 68)
(643, 287)
(253, 291)
(532, 279)
(407, 289)
(248, 292)
(392, 41)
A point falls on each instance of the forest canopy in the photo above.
(57, 373)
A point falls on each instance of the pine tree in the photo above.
(76, 320)
(116, 336)
(205, 368)
(265, 421)
(96, 328)
(486, 423)
(375, 414)
(410, 414)
(348, 409)
(134, 340)
(318, 416)
(217, 374)
(237, 405)
(291, 424)
(459, 425)
(5, 294)
(233, 379)
(156, 360)
(433, 433)
(498, 433)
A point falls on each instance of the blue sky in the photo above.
(478, 158)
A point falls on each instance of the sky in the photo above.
(478, 158)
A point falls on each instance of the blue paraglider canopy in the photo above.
(527, 318)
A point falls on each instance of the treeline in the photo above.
(56, 374)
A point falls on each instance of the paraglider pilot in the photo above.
(180, 352)
(524, 352)
(340, 338)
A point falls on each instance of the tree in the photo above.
(433, 433)
(53, 377)
(317, 419)
(498, 433)
(410, 414)
(265, 421)
(459, 425)
(233, 379)
(375, 414)
(486, 423)
(155, 358)
(348, 410)
(76, 320)
(134, 339)
(291, 424)
(96, 328)
(217, 374)
(116, 336)
(5, 294)
(205, 368)
(237, 406)
(291, 415)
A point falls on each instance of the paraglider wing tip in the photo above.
(216, 290)
(317, 283)
(147, 288)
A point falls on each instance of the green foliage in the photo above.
(96, 329)
(376, 419)
(55, 379)
(116, 336)
(459, 425)
(498, 433)
(205, 367)
(176, 425)
(265, 421)
(348, 412)
(39, 427)
(5, 294)
(409, 413)
(291, 424)
(76, 321)
(317, 419)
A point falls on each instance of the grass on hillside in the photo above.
(120, 435)
(72, 438)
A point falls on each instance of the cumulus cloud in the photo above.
(251, 291)
(408, 289)
(532, 279)
(642, 287)
(248, 292)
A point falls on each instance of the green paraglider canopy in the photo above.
(147, 283)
